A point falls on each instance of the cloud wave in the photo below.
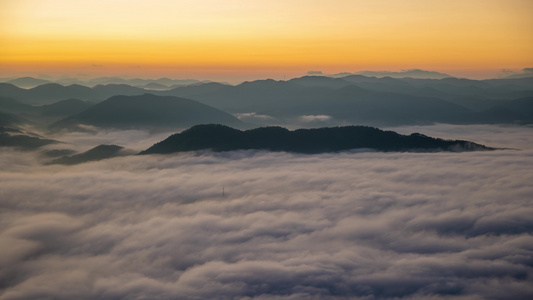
(354, 225)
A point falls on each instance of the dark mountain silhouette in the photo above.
(97, 153)
(223, 138)
(147, 111)
(19, 139)
(28, 82)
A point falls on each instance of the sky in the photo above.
(352, 225)
(241, 39)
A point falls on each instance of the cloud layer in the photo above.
(359, 225)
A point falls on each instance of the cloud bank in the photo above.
(355, 225)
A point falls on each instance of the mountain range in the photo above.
(414, 73)
(52, 92)
(43, 115)
(309, 101)
(164, 83)
(357, 99)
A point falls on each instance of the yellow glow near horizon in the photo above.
(119, 36)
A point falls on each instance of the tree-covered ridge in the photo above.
(222, 138)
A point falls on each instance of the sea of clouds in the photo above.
(259, 225)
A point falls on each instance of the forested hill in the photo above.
(222, 138)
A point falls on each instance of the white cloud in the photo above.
(314, 118)
(351, 225)
(259, 119)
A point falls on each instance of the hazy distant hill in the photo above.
(523, 106)
(9, 119)
(64, 107)
(359, 106)
(97, 153)
(31, 82)
(28, 82)
(139, 82)
(358, 99)
(105, 91)
(155, 86)
(526, 73)
(196, 90)
(321, 81)
(223, 138)
(415, 73)
(45, 114)
(11, 105)
(338, 98)
(147, 111)
(519, 111)
(53, 92)
(249, 96)
(13, 137)
(352, 99)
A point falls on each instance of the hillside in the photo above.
(97, 153)
(22, 140)
(147, 111)
(223, 138)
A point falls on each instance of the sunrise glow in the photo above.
(236, 39)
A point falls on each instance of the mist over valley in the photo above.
(268, 189)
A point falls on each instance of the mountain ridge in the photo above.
(216, 137)
(146, 110)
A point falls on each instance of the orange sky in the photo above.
(244, 39)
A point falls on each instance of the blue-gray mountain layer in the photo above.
(147, 111)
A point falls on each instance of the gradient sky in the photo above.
(240, 39)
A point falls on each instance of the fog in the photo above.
(259, 225)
